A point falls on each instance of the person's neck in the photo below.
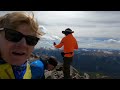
(68, 34)
(2, 61)
(24, 64)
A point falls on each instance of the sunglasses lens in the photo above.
(15, 36)
(12, 35)
(31, 40)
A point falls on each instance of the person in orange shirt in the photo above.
(69, 42)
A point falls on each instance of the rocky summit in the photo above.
(57, 73)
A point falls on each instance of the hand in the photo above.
(54, 43)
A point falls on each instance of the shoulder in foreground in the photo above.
(37, 69)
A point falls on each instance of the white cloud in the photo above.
(112, 41)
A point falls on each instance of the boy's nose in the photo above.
(22, 42)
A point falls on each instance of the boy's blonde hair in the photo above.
(14, 19)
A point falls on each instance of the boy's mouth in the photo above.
(18, 53)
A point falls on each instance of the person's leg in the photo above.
(66, 67)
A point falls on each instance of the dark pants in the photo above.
(66, 67)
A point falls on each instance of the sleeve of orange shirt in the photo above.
(60, 44)
(76, 45)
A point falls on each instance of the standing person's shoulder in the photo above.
(63, 39)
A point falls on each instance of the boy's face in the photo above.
(50, 67)
(16, 53)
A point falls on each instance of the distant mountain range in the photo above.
(47, 40)
(90, 60)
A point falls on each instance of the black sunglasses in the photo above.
(15, 36)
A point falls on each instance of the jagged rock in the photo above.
(57, 73)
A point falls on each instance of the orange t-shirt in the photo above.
(69, 43)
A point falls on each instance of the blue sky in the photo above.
(93, 29)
